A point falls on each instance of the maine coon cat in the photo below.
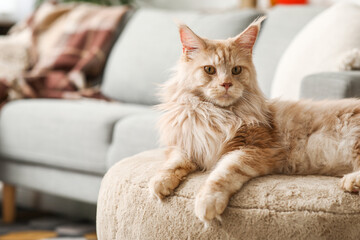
(216, 118)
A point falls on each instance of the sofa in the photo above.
(64, 147)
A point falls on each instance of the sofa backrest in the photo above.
(207, 5)
(149, 46)
(281, 26)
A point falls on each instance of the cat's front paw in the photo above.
(210, 205)
(351, 182)
(162, 185)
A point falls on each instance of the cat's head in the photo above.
(219, 71)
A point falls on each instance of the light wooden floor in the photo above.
(13, 224)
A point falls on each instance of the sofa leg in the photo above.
(8, 203)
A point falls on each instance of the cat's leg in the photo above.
(176, 167)
(229, 175)
(351, 182)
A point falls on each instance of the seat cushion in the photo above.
(150, 45)
(133, 134)
(61, 133)
(270, 207)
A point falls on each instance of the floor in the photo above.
(35, 225)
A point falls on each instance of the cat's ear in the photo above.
(190, 41)
(247, 38)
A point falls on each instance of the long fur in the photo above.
(238, 134)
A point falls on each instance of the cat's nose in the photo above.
(227, 85)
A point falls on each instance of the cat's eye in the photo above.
(210, 70)
(236, 70)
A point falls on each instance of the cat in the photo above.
(216, 118)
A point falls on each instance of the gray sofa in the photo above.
(64, 148)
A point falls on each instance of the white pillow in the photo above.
(320, 46)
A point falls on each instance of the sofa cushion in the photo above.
(270, 207)
(133, 134)
(61, 133)
(280, 27)
(149, 46)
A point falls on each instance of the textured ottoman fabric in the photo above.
(271, 207)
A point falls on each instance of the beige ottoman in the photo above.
(271, 207)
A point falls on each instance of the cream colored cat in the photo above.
(216, 118)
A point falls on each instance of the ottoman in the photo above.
(270, 207)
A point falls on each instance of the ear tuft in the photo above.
(247, 38)
(190, 41)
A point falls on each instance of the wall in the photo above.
(15, 10)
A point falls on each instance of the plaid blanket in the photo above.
(59, 52)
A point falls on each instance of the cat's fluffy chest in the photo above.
(199, 129)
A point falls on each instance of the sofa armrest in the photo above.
(331, 85)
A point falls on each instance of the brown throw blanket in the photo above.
(59, 52)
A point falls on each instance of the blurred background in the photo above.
(331, 65)
(15, 10)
